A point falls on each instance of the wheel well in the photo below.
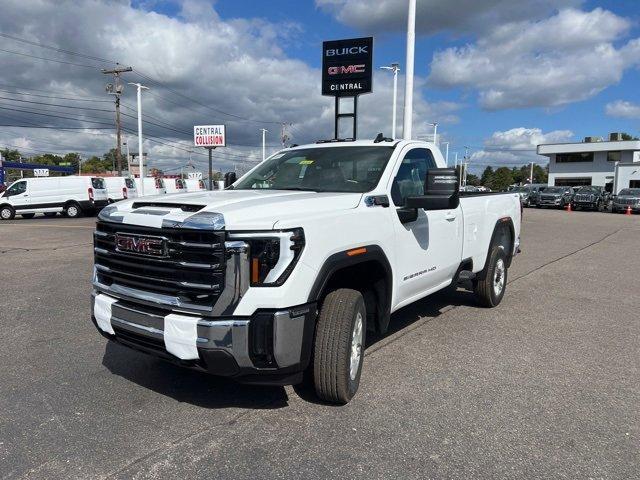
(503, 236)
(373, 281)
(71, 202)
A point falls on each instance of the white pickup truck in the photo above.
(278, 278)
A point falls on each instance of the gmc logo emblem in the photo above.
(341, 70)
(141, 245)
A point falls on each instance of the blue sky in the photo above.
(585, 117)
(500, 76)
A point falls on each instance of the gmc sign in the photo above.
(347, 67)
(141, 244)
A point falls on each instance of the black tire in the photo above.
(7, 212)
(335, 379)
(72, 210)
(50, 214)
(27, 215)
(486, 288)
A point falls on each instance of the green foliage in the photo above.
(626, 136)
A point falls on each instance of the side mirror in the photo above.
(229, 178)
(442, 191)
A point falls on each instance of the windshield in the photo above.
(330, 169)
(630, 191)
(589, 190)
(554, 190)
(520, 189)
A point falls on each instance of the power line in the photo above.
(75, 99)
(57, 49)
(55, 104)
(48, 59)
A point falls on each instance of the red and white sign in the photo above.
(209, 136)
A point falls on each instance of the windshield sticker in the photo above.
(306, 162)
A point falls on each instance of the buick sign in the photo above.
(347, 67)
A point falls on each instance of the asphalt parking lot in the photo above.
(547, 385)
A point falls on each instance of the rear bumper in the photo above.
(270, 347)
(93, 204)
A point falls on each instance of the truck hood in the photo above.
(242, 209)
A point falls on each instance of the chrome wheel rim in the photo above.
(498, 277)
(6, 213)
(72, 211)
(356, 347)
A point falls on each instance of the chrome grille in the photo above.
(626, 201)
(583, 198)
(192, 274)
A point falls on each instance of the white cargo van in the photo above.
(120, 188)
(195, 185)
(71, 195)
(152, 186)
(175, 185)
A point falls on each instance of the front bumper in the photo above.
(581, 204)
(550, 203)
(270, 347)
(622, 208)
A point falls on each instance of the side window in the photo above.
(409, 181)
(17, 188)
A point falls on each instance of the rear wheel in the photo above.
(73, 210)
(339, 346)
(28, 215)
(490, 287)
(7, 212)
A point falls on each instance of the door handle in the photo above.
(450, 217)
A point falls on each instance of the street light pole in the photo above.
(435, 132)
(140, 153)
(446, 155)
(408, 82)
(395, 68)
(264, 139)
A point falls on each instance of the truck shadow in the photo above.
(189, 386)
(211, 392)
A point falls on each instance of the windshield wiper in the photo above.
(299, 189)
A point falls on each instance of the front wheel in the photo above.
(7, 213)
(338, 349)
(489, 288)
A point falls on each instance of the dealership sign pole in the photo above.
(347, 72)
(210, 137)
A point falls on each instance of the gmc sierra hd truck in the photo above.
(279, 277)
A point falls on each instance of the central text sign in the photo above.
(209, 136)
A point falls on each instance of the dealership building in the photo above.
(613, 164)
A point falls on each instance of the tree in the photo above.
(473, 180)
(487, 175)
(110, 159)
(10, 155)
(502, 178)
(626, 136)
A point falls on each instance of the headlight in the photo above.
(272, 255)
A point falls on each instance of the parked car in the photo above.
(72, 195)
(534, 193)
(175, 185)
(195, 185)
(152, 186)
(524, 193)
(590, 197)
(283, 272)
(558, 197)
(627, 198)
(120, 188)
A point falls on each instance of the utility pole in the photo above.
(408, 84)
(140, 153)
(531, 175)
(395, 68)
(283, 134)
(116, 88)
(264, 139)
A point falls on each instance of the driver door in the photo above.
(18, 195)
(428, 243)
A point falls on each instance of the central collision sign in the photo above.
(347, 67)
(209, 136)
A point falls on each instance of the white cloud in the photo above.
(623, 109)
(379, 16)
(568, 57)
(234, 66)
(516, 147)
